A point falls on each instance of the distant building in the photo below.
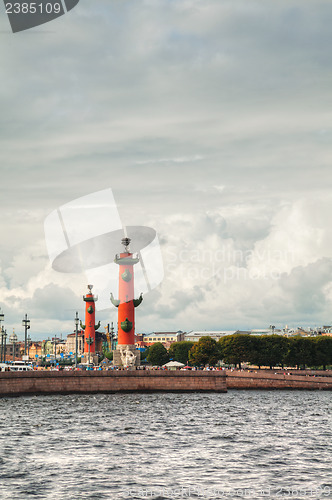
(71, 342)
(165, 338)
(266, 331)
(47, 347)
(50, 345)
(139, 341)
(298, 332)
(327, 331)
(9, 351)
(35, 350)
(194, 336)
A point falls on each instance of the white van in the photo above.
(4, 367)
(19, 366)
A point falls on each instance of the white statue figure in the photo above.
(128, 358)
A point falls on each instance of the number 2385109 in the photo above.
(33, 8)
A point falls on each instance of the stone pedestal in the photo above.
(93, 358)
(117, 361)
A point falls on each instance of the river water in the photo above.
(243, 444)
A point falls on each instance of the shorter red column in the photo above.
(90, 327)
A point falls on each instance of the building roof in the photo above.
(210, 333)
(162, 334)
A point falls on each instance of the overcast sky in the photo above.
(211, 122)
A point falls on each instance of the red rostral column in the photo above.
(89, 327)
(126, 303)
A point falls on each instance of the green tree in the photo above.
(108, 355)
(256, 354)
(205, 351)
(322, 355)
(300, 352)
(235, 349)
(269, 350)
(158, 354)
(179, 351)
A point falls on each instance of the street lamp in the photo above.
(2, 334)
(3, 345)
(89, 341)
(26, 324)
(54, 341)
(76, 338)
(2, 317)
(113, 337)
(28, 345)
(13, 340)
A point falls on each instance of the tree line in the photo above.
(266, 350)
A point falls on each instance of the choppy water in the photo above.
(244, 444)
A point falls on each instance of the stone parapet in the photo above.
(271, 380)
(53, 382)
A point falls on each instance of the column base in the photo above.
(125, 360)
(93, 358)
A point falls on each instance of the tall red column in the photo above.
(90, 327)
(126, 303)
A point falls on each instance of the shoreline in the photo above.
(281, 379)
(87, 382)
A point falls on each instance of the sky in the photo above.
(210, 121)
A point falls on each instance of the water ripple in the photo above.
(125, 446)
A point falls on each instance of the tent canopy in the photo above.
(174, 364)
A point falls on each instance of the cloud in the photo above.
(207, 119)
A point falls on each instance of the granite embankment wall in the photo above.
(53, 382)
(272, 380)
(63, 382)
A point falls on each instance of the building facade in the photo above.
(165, 338)
(71, 343)
(194, 336)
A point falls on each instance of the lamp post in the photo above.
(3, 343)
(28, 345)
(89, 341)
(26, 324)
(112, 336)
(1, 331)
(2, 318)
(13, 340)
(43, 352)
(2, 334)
(55, 339)
(76, 338)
